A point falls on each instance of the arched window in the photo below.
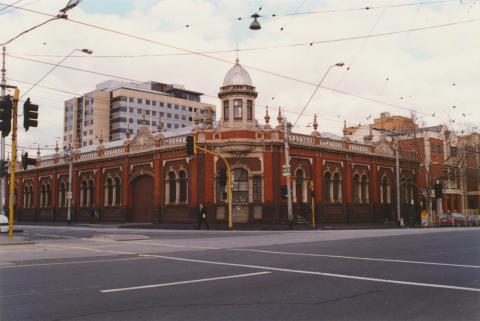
(182, 176)
(48, 197)
(299, 185)
(240, 185)
(410, 187)
(62, 199)
(385, 190)
(30, 196)
(249, 109)
(118, 191)
(172, 188)
(25, 196)
(237, 109)
(83, 193)
(356, 189)
(365, 190)
(109, 192)
(226, 110)
(42, 196)
(221, 181)
(91, 193)
(326, 187)
(337, 186)
(403, 190)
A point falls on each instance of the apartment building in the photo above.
(115, 108)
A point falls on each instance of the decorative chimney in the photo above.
(315, 126)
(267, 119)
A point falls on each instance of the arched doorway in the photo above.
(142, 199)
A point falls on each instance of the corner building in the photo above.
(150, 178)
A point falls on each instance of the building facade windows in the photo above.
(226, 110)
(257, 189)
(237, 108)
(249, 109)
(183, 184)
(299, 186)
(240, 185)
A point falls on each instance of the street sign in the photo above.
(286, 170)
(69, 195)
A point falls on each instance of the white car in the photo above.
(3, 224)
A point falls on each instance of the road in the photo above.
(94, 273)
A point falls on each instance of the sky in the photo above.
(432, 73)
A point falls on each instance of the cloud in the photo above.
(421, 66)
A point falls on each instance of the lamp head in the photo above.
(255, 25)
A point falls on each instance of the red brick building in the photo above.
(150, 178)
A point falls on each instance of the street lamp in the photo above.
(87, 51)
(338, 64)
(255, 25)
(287, 147)
(62, 14)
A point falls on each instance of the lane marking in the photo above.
(359, 258)
(73, 262)
(183, 282)
(57, 236)
(335, 275)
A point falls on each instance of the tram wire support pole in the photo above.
(13, 161)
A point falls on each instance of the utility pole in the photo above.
(287, 163)
(14, 160)
(2, 142)
(397, 174)
(69, 157)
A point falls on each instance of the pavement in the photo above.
(106, 273)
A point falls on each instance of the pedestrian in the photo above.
(202, 217)
(92, 215)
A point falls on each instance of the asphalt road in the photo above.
(87, 273)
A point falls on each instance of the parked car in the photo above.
(445, 219)
(3, 224)
(473, 220)
(459, 219)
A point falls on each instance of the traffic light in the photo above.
(190, 147)
(284, 191)
(222, 177)
(6, 115)
(27, 161)
(30, 115)
(3, 168)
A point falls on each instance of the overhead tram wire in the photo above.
(364, 8)
(381, 34)
(225, 60)
(6, 7)
(254, 68)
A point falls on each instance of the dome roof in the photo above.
(237, 75)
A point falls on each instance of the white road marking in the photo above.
(74, 262)
(179, 246)
(360, 258)
(57, 236)
(99, 250)
(183, 282)
(343, 276)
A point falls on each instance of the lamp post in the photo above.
(338, 64)
(87, 51)
(287, 154)
(62, 14)
(68, 154)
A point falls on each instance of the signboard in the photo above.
(424, 216)
(286, 170)
(69, 195)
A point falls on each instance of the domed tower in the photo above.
(238, 99)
